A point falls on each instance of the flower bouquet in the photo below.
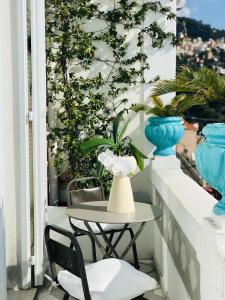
(121, 198)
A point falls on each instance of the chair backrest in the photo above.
(84, 190)
(68, 258)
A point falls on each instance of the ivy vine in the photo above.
(88, 99)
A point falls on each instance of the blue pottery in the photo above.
(210, 161)
(164, 133)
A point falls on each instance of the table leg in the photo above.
(98, 243)
(110, 248)
(108, 243)
(133, 240)
(119, 238)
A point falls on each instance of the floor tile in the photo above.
(21, 295)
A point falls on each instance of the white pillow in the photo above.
(108, 279)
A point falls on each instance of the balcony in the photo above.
(184, 250)
(186, 246)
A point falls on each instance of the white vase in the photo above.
(121, 198)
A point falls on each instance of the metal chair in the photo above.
(88, 189)
(70, 259)
(65, 257)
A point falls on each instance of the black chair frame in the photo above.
(79, 232)
(68, 258)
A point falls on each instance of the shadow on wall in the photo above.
(181, 252)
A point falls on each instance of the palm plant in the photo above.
(205, 84)
(117, 141)
(177, 107)
(192, 88)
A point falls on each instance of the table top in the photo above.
(96, 211)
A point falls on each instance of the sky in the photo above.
(209, 11)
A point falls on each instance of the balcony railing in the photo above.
(189, 242)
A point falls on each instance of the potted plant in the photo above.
(121, 198)
(210, 161)
(193, 88)
(117, 142)
(119, 157)
(165, 127)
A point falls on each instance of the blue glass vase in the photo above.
(164, 133)
(210, 161)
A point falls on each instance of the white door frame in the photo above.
(23, 186)
(3, 284)
(39, 132)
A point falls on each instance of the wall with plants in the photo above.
(101, 57)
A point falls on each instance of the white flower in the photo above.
(121, 167)
(104, 155)
(133, 162)
(107, 158)
(117, 165)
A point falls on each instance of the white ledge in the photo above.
(188, 202)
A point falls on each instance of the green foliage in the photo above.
(192, 87)
(118, 143)
(85, 103)
(204, 84)
(177, 107)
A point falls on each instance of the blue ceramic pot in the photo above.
(164, 133)
(210, 161)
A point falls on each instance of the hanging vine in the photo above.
(89, 68)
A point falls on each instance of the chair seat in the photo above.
(106, 227)
(108, 279)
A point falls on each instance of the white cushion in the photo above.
(108, 279)
(106, 227)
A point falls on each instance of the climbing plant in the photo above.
(90, 68)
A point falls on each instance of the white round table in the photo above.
(96, 212)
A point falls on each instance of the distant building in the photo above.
(188, 143)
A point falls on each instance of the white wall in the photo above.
(189, 242)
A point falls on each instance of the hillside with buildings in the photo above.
(201, 45)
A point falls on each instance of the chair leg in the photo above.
(66, 296)
(134, 248)
(71, 245)
(93, 247)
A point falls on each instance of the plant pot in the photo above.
(210, 161)
(164, 133)
(121, 198)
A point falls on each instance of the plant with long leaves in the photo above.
(192, 88)
(118, 142)
(204, 84)
(176, 107)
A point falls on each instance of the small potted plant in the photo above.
(121, 198)
(165, 127)
(193, 88)
(119, 157)
(117, 142)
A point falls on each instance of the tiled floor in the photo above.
(21, 295)
(57, 294)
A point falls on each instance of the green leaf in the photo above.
(93, 144)
(139, 156)
(99, 169)
(124, 129)
(116, 123)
